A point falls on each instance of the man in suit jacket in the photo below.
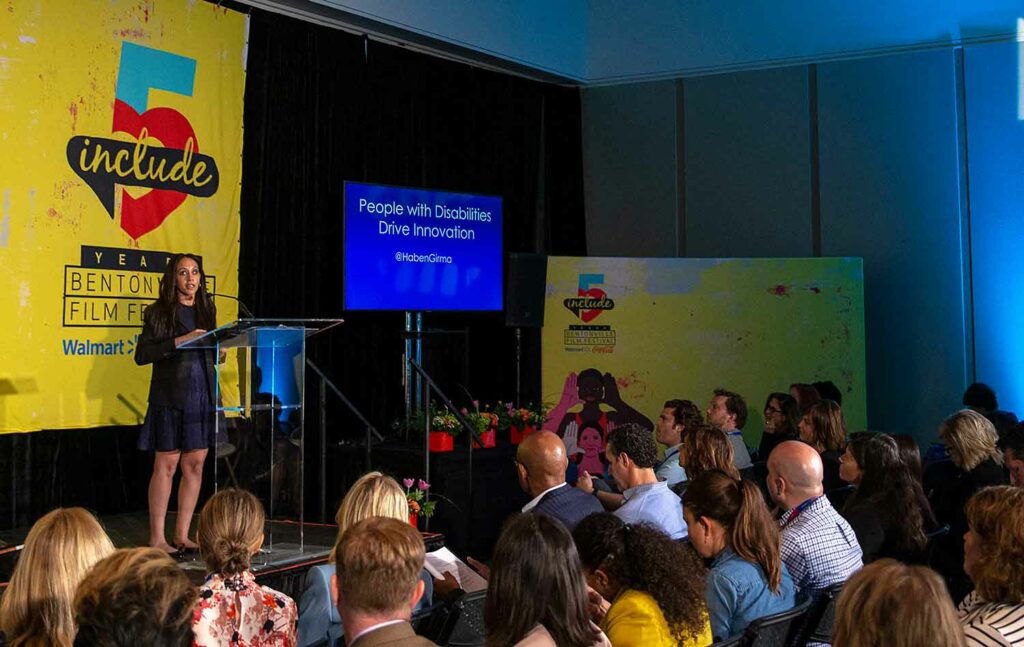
(377, 583)
(541, 463)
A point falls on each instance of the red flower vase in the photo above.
(489, 438)
(413, 519)
(516, 437)
(440, 441)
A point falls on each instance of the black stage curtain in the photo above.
(322, 107)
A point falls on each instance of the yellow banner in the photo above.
(121, 131)
(654, 330)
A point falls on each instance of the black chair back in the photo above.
(463, 625)
(735, 641)
(778, 630)
(817, 628)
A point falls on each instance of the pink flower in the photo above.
(408, 483)
(423, 485)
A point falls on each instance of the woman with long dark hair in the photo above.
(536, 594)
(650, 587)
(729, 524)
(180, 424)
(781, 421)
(888, 509)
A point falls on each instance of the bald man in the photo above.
(541, 463)
(819, 547)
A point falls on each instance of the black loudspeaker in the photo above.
(524, 290)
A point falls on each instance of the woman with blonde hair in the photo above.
(993, 614)
(730, 525)
(889, 604)
(232, 608)
(372, 495)
(60, 549)
(823, 428)
(976, 463)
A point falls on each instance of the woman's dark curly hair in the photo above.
(643, 558)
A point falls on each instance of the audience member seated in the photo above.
(372, 495)
(888, 510)
(805, 395)
(976, 462)
(705, 448)
(993, 614)
(675, 421)
(134, 597)
(378, 582)
(541, 463)
(823, 428)
(648, 589)
(781, 423)
(982, 398)
(828, 390)
(889, 604)
(728, 412)
(537, 595)
(1012, 445)
(232, 608)
(729, 523)
(818, 546)
(632, 454)
(60, 549)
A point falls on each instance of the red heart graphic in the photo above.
(597, 293)
(139, 216)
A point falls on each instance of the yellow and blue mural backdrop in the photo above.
(624, 335)
(121, 134)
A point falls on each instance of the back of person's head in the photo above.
(889, 604)
(734, 404)
(1012, 444)
(707, 448)
(642, 558)
(828, 390)
(910, 454)
(888, 487)
(685, 412)
(60, 549)
(230, 531)
(136, 596)
(536, 579)
(981, 397)
(372, 495)
(996, 516)
(739, 507)
(378, 563)
(805, 394)
(971, 439)
(826, 420)
(636, 442)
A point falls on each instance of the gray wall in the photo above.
(861, 158)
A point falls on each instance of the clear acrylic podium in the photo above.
(259, 396)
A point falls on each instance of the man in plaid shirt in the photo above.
(819, 547)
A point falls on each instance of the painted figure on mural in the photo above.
(591, 401)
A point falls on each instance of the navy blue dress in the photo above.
(168, 429)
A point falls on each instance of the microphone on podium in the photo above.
(241, 306)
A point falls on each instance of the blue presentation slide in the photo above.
(418, 250)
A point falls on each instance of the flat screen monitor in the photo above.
(421, 250)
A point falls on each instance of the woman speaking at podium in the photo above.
(179, 426)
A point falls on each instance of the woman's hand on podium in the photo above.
(178, 341)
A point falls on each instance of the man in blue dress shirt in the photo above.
(632, 454)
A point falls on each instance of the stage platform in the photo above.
(289, 549)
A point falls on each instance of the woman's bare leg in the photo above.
(188, 494)
(164, 466)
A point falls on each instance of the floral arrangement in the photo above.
(482, 421)
(532, 415)
(445, 421)
(415, 495)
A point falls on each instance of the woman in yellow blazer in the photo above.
(648, 590)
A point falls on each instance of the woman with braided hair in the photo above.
(648, 590)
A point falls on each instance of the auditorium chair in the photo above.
(778, 630)
(820, 618)
(461, 625)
